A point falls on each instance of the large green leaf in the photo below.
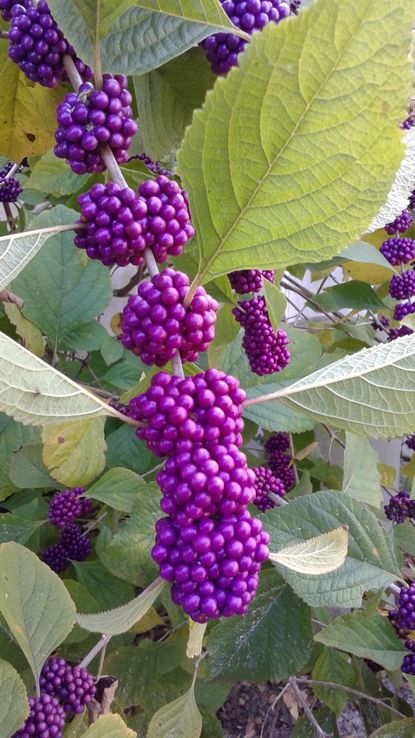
(271, 642)
(52, 175)
(109, 726)
(333, 666)
(369, 393)
(119, 488)
(14, 528)
(354, 294)
(369, 636)
(75, 452)
(107, 590)
(14, 707)
(178, 719)
(12, 436)
(281, 164)
(34, 603)
(397, 729)
(27, 470)
(371, 561)
(361, 475)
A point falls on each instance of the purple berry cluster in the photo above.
(72, 686)
(249, 280)
(64, 508)
(410, 442)
(156, 325)
(401, 223)
(46, 719)
(402, 309)
(400, 508)
(10, 188)
(223, 49)
(405, 615)
(278, 460)
(402, 286)
(266, 350)
(68, 505)
(398, 250)
(409, 122)
(37, 44)
(266, 482)
(93, 117)
(6, 7)
(408, 664)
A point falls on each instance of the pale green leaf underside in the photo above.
(318, 555)
(178, 719)
(370, 393)
(402, 187)
(14, 707)
(361, 478)
(281, 164)
(35, 393)
(121, 619)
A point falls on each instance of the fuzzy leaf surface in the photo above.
(319, 555)
(14, 707)
(361, 475)
(109, 726)
(403, 185)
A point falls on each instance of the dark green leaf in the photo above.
(14, 706)
(125, 449)
(119, 488)
(332, 666)
(107, 590)
(14, 528)
(27, 469)
(354, 294)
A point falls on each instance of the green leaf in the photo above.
(84, 602)
(266, 196)
(368, 393)
(14, 528)
(178, 719)
(370, 637)
(166, 99)
(404, 537)
(12, 436)
(275, 301)
(325, 718)
(88, 337)
(402, 187)
(29, 333)
(61, 288)
(121, 619)
(371, 561)
(125, 449)
(332, 666)
(27, 469)
(105, 589)
(271, 642)
(318, 555)
(365, 253)
(14, 706)
(396, 729)
(52, 175)
(75, 452)
(34, 604)
(361, 475)
(119, 488)
(109, 726)
(354, 294)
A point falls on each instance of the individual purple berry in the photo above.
(10, 188)
(223, 49)
(402, 286)
(266, 482)
(92, 117)
(401, 223)
(249, 280)
(73, 686)
(156, 324)
(167, 223)
(402, 309)
(410, 442)
(277, 442)
(266, 350)
(6, 7)
(76, 545)
(178, 413)
(399, 508)
(408, 664)
(398, 250)
(56, 557)
(46, 719)
(38, 46)
(114, 219)
(409, 122)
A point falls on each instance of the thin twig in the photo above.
(320, 733)
(350, 690)
(97, 49)
(102, 643)
(277, 699)
(134, 281)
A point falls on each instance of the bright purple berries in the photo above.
(222, 49)
(399, 508)
(266, 350)
(401, 223)
(10, 188)
(278, 461)
(6, 7)
(56, 557)
(206, 408)
(38, 46)
(46, 719)
(93, 117)
(65, 506)
(76, 545)
(156, 325)
(402, 309)
(402, 286)
(249, 280)
(73, 686)
(398, 250)
(405, 617)
(114, 225)
(168, 227)
(266, 482)
(213, 566)
(408, 664)
(409, 122)
(395, 333)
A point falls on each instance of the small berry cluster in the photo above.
(156, 324)
(410, 442)
(279, 461)
(266, 349)
(93, 117)
(64, 508)
(223, 49)
(6, 7)
(265, 483)
(400, 508)
(37, 44)
(10, 188)
(72, 686)
(249, 280)
(46, 718)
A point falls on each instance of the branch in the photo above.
(320, 733)
(350, 690)
(134, 281)
(6, 296)
(102, 643)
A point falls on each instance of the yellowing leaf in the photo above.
(28, 331)
(387, 475)
(318, 555)
(74, 453)
(195, 640)
(147, 622)
(370, 273)
(27, 112)
(109, 726)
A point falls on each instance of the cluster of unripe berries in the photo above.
(65, 690)
(64, 508)
(223, 49)
(10, 188)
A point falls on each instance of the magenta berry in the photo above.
(249, 280)
(401, 223)
(56, 557)
(46, 719)
(114, 225)
(93, 117)
(76, 545)
(266, 482)
(398, 250)
(73, 686)
(206, 408)
(156, 324)
(167, 224)
(10, 188)
(266, 350)
(402, 286)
